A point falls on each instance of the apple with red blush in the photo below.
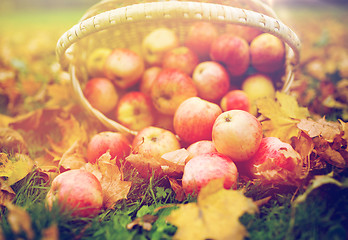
(101, 94)
(135, 111)
(170, 89)
(202, 169)
(96, 61)
(210, 75)
(237, 134)
(235, 100)
(124, 67)
(200, 147)
(149, 76)
(233, 52)
(78, 191)
(194, 119)
(115, 143)
(182, 58)
(245, 32)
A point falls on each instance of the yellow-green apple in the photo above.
(257, 86)
(267, 53)
(78, 191)
(156, 43)
(276, 162)
(194, 119)
(149, 76)
(154, 142)
(210, 75)
(182, 58)
(124, 67)
(101, 94)
(233, 52)
(202, 169)
(235, 99)
(96, 61)
(237, 134)
(200, 147)
(200, 37)
(245, 32)
(135, 110)
(170, 89)
(116, 143)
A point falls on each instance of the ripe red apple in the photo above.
(78, 191)
(267, 53)
(200, 37)
(182, 58)
(245, 32)
(275, 162)
(156, 43)
(170, 89)
(117, 144)
(233, 52)
(200, 147)
(194, 119)
(96, 61)
(124, 67)
(101, 94)
(164, 121)
(200, 170)
(148, 78)
(235, 100)
(135, 111)
(154, 142)
(212, 80)
(237, 134)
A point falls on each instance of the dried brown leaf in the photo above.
(145, 222)
(73, 158)
(11, 141)
(323, 128)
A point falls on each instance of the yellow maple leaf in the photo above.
(344, 129)
(281, 116)
(215, 215)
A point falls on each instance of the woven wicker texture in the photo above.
(124, 24)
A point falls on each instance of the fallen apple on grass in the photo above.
(237, 134)
(200, 170)
(78, 191)
(101, 94)
(194, 119)
(117, 144)
(135, 110)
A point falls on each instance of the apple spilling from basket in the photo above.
(198, 96)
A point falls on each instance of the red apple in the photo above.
(275, 162)
(117, 144)
(154, 142)
(164, 121)
(135, 111)
(237, 134)
(200, 37)
(170, 89)
(96, 61)
(148, 78)
(267, 53)
(233, 52)
(78, 191)
(245, 32)
(200, 170)
(194, 119)
(200, 147)
(124, 67)
(212, 80)
(156, 43)
(182, 58)
(235, 100)
(101, 94)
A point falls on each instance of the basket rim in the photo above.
(171, 10)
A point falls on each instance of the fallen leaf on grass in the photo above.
(6, 193)
(323, 128)
(19, 221)
(145, 222)
(215, 215)
(281, 116)
(50, 233)
(111, 179)
(11, 141)
(73, 158)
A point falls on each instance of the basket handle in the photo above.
(174, 10)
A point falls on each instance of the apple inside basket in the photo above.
(134, 65)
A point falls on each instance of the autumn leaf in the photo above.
(111, 178)
(281, 116)
(215, 215)
(323, 128)
(11, 141)
(73, 158)
(6, 193)
(344, 129)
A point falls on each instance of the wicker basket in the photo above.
(116, 23)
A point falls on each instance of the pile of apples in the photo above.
(197, 96)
